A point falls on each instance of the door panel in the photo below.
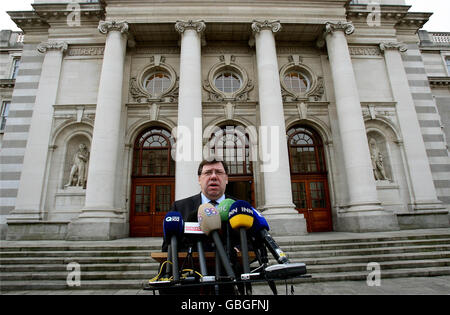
(310, 196)
(151, 200)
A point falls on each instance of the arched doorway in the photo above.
(309, 178)
(152, 182)
(231, 143)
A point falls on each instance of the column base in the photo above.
(104, 230)
(20, 215)
(428, 219)
(95, 224)
(284, 220)
(367, 221)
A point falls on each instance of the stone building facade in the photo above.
(331, 115)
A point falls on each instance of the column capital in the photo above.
(258, 26)
(52, 45)
(181, 26)
(347, 27)
(393, 46)
(105, 27)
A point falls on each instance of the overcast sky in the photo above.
(440, 21)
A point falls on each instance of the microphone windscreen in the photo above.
(173, 224)
(241, 215)
(208, 218)
(259, 223)
(224, 208)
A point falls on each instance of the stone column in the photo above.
(423, 192)
(279, 208)
(363, 211)
(189, 129)
(30, 197)
(100, 217)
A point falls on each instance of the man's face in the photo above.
(213, 180)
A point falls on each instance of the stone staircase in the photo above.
(126, 264)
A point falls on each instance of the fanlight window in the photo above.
(228, 82)
(157, 83)
(231, 144)
(152, 154)
(305, 151)
(297, 82)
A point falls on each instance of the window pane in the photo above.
(157, 83)
(227, 82)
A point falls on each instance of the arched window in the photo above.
(152, 153)
(296, 82)
(228, 82)
(305, 151)
(231, 144)
(157, 83)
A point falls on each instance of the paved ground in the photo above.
(398, 286)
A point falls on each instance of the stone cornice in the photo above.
(52, 45)
(105, 27)
(258, 26)
(198, 25)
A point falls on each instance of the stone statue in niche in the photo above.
(78, 172)
(379, 171)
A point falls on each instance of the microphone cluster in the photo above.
(217, 224)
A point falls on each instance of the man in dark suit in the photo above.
(213, 180)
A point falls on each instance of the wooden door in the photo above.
(311, 198)
(152, 182)
(151, 200)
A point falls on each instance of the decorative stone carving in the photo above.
(78, 172)
(51, 45)
(181, 26)
(394, 46)
(364, 51)
(379, 171)
(105, 27)
(141, 95)
(227, 62)
(86, 51)
(316, 89)
(274, 26)
(347, 27)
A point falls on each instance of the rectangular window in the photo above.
(4, 114)
(15, 69)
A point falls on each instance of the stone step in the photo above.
(117, 253)
(339, 260)
(153, 266)
(368, 251)
(286, 241)
(137, 284)
(85, 275)
(80, 247)
(151, 271)
(362, 245)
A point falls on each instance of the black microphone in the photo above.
(260, 228)
(192, 227)
(284, 269)
(173, 229)
(241, 218)
(210, 223)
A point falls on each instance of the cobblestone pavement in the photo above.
(396, 286)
